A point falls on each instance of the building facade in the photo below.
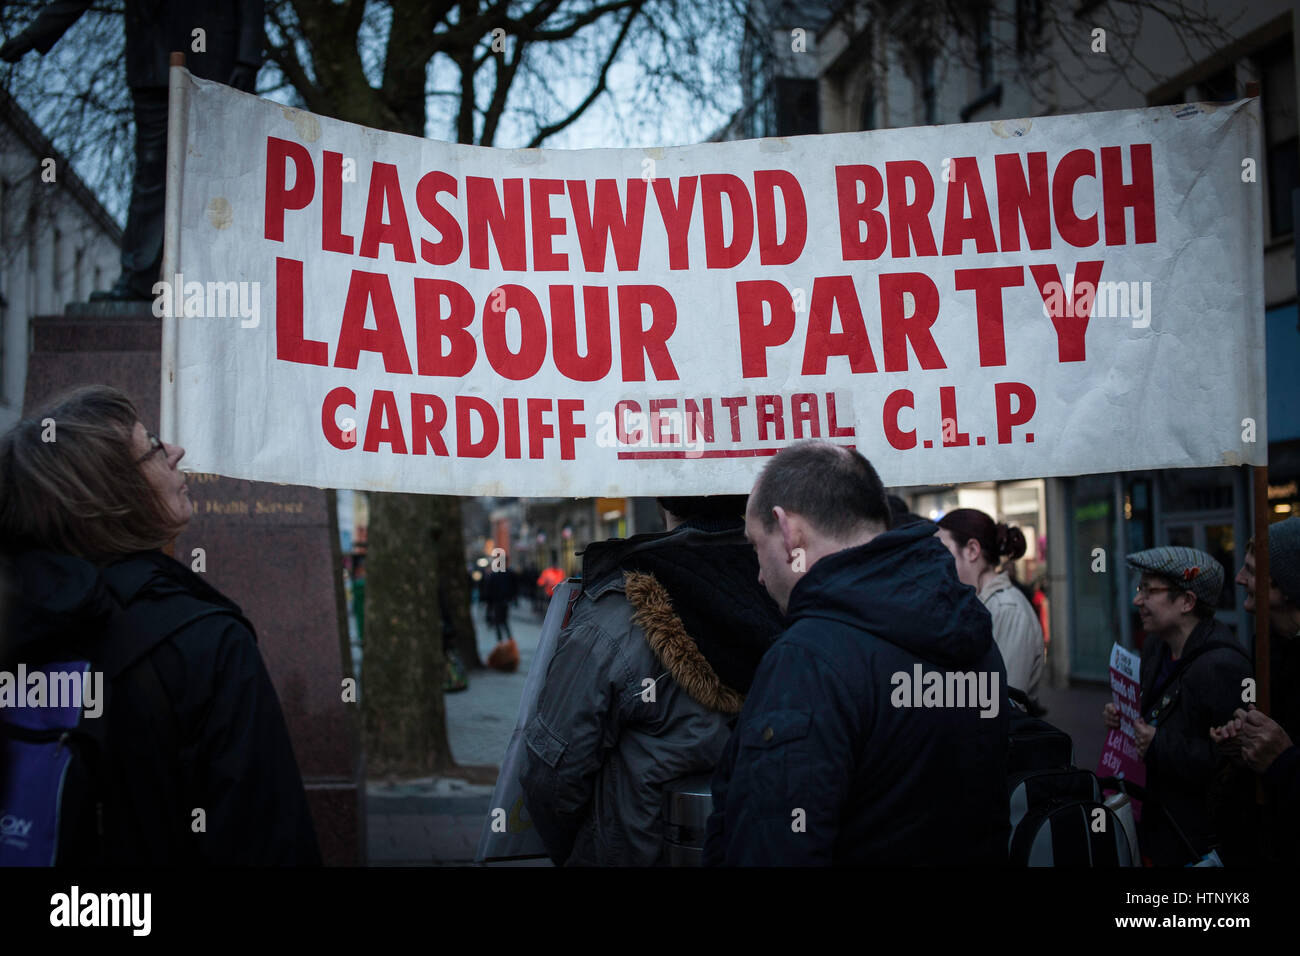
(900, 64)
(57, 243)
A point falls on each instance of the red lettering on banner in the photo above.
(637, 343)
(485, 213)
(717, 253)
(290, 346)
(620, 425)
(336, 398)
(367, 290)
(772, 252)
(734, 405)
(426, 432)
(854, 213)
(770, 412)
(538, 431)
(279, 198)
(595, 365)
(432, 328)
(966, 186)
(1138, 195)
(1023, 197)
(384, 425)
(386, 192)
(833, 429)
(525, 363)
(570, 431)
(1073, 166)
(757, 336)
(699, 423)
(657, 434)
(545, 226)
(952, 438)
(597, 227)
(1026, 402)
(676, 215)
(511, 416)
(897, 329)
(910, 219)
(465, 447)
(1065, 305)
(988, 285)
(333, 239)
(894, 403)
(450, 242)
(803, 409)
(830, 292)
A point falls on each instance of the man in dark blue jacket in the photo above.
(875, 731)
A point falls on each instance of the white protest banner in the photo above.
(1002, 300)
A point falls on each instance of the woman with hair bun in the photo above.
(978, 545)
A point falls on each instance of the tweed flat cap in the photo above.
(1284, 557)
(1188, 568)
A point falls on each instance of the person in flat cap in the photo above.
(1265, 742)
(1193, 673)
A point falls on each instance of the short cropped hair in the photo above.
(1200, 609)
(83, 492)
(835, 489)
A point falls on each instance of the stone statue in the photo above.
(221, 40)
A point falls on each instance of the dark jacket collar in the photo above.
(901, 587)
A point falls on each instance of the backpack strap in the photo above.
(142, 625)
(146, 616)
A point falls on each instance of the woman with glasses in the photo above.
(190, 762)
(1193, 676)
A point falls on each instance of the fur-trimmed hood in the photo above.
(696, 595)
(675, 649)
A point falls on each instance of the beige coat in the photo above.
(1016, 632)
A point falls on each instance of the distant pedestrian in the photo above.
(979, 545)
(1193, 673)
(499, 593)
(193, 722)
(836, 758)
(551, 578)
(648, 673)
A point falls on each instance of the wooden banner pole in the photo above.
(1262, 584)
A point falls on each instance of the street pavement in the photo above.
(1077, 711)
(436, 821)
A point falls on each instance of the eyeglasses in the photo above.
(155, 446)
(1146, 591)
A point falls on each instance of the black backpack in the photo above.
(56, 763)
(1058, 814)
